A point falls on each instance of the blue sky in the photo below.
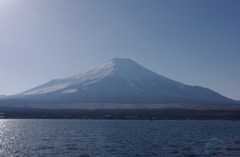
(196, 42)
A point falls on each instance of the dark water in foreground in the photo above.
(119, 138)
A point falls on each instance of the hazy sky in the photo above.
(196, 42)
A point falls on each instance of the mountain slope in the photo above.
(120, 81)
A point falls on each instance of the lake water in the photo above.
(119, 138)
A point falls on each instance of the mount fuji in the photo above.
(120, 81)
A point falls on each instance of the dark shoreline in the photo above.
(142, 114)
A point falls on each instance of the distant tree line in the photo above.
(148, 114)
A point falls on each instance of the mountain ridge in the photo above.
(120, 80)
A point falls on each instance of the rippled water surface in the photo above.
(118, 138)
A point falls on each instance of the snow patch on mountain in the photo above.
(134, 86)
(47, 89)
(70, 91)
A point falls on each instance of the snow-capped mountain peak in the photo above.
(120, 80)
(122, 68)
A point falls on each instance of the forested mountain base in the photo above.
(148, 114)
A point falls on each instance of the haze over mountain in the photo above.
(118, 80)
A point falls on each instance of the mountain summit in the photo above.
(120, 80)
(125, 71)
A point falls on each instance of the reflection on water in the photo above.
(118, 138)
